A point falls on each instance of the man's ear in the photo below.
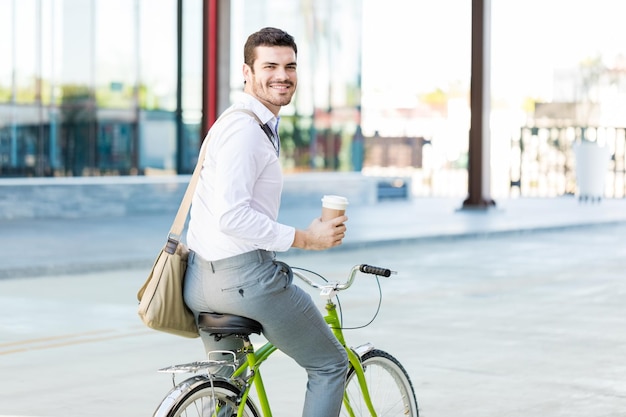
(247, 71)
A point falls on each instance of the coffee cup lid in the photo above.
(335, 201)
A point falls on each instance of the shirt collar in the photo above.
(264, 114)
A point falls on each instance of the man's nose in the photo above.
(282, 73)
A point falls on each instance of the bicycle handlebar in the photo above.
(375, 270)
(364, 268)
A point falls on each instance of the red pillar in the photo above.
(209, 65)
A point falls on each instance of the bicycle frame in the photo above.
(247, 373)
(254, 359)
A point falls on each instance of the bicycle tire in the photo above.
(197, 397)
(389, 385)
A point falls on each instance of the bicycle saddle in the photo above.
(223, 324)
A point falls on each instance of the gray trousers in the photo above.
(253, 285)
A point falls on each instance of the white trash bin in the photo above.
(592, 163)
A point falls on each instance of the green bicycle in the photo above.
(376, 385)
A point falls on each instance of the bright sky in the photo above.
(416, 45)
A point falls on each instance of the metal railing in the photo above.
(543, 164)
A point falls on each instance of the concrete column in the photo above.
(479, 170)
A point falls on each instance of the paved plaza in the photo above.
(513, 312)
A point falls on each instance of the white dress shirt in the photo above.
(236, 202)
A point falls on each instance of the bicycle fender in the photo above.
(180, 389)
(363, 349)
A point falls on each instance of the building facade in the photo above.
(119, 87)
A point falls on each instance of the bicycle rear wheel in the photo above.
(389, 386)
(198, 397)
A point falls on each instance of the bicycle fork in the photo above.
(355, 361)
(354, 357)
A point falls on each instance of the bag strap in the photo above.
(173, 238)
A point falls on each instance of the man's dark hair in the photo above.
(266, 37)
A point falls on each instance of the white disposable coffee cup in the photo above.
(333, 206)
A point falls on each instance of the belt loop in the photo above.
(259, 254)
(212, 267)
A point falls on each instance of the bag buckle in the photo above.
(172, 244)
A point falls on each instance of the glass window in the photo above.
(116, 53)
(49, 56)
(157, 54)
(192, 55)
(157, 144)
(6, 51)
(26, 50)
(77, 130)
(318, 126)
(115, 143)
(76, 67)
(191, 84)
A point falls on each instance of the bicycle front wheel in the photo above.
(198, 397)
(389, 386)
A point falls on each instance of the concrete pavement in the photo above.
(487, 325)
(44, 246)
(510, 311)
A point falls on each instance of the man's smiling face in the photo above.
(274, 78)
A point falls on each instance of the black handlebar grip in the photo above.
(375, 270)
